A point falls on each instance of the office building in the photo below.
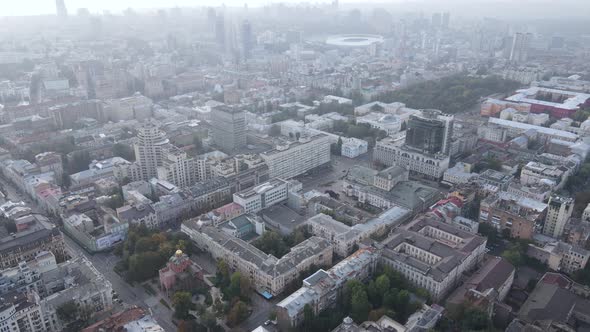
(559, 211)
(295, 158)
(262, 196)
(269, 275)
(390, 152)
(228, 128)
(432, 255)
(430, 132)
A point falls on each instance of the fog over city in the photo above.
(319, 166)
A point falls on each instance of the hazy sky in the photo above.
(539, 8)
(35, 7)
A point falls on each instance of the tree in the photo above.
(79, 161)
(208, 319)
(237, 314)
(123, 151)
(308, 316)
(223, 276)
(382, 284)
(190, 326)
(182, 304)
(68, 311)
(359, 306)
(488, 231)
(272, 243)
(475, 320)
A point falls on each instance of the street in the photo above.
(104, 262)
(132, 295)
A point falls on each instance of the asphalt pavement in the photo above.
(104, 262)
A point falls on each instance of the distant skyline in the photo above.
(538, 8)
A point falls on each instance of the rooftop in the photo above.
(571, 100)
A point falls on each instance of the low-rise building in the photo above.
(354, 147)
(138, 214)
(262, 196)
(535, 173)
(346, 238)
(269, 275)
(180, 274)
(487, 286)
(553, 301)
(26, 244)
(79, 281)
(560, 256)
(389, 123)
(458, 174)
(431, 254)
(390, 153)
(497, 179)
(97, 235)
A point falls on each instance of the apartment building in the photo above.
(520, 216)
(560, 209)
(321, 290)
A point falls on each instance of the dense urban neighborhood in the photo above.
(288, 167)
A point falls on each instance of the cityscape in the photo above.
(262, 166)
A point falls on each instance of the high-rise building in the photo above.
(247, 39)
(228, 128)
(520, 47)
(149, 147)
(558, 213)
(61, 9)
(430, 132)
(446, 20)
(177, 168)
(296, 158)
(436, 20)
(220, 30)
(211, 20)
